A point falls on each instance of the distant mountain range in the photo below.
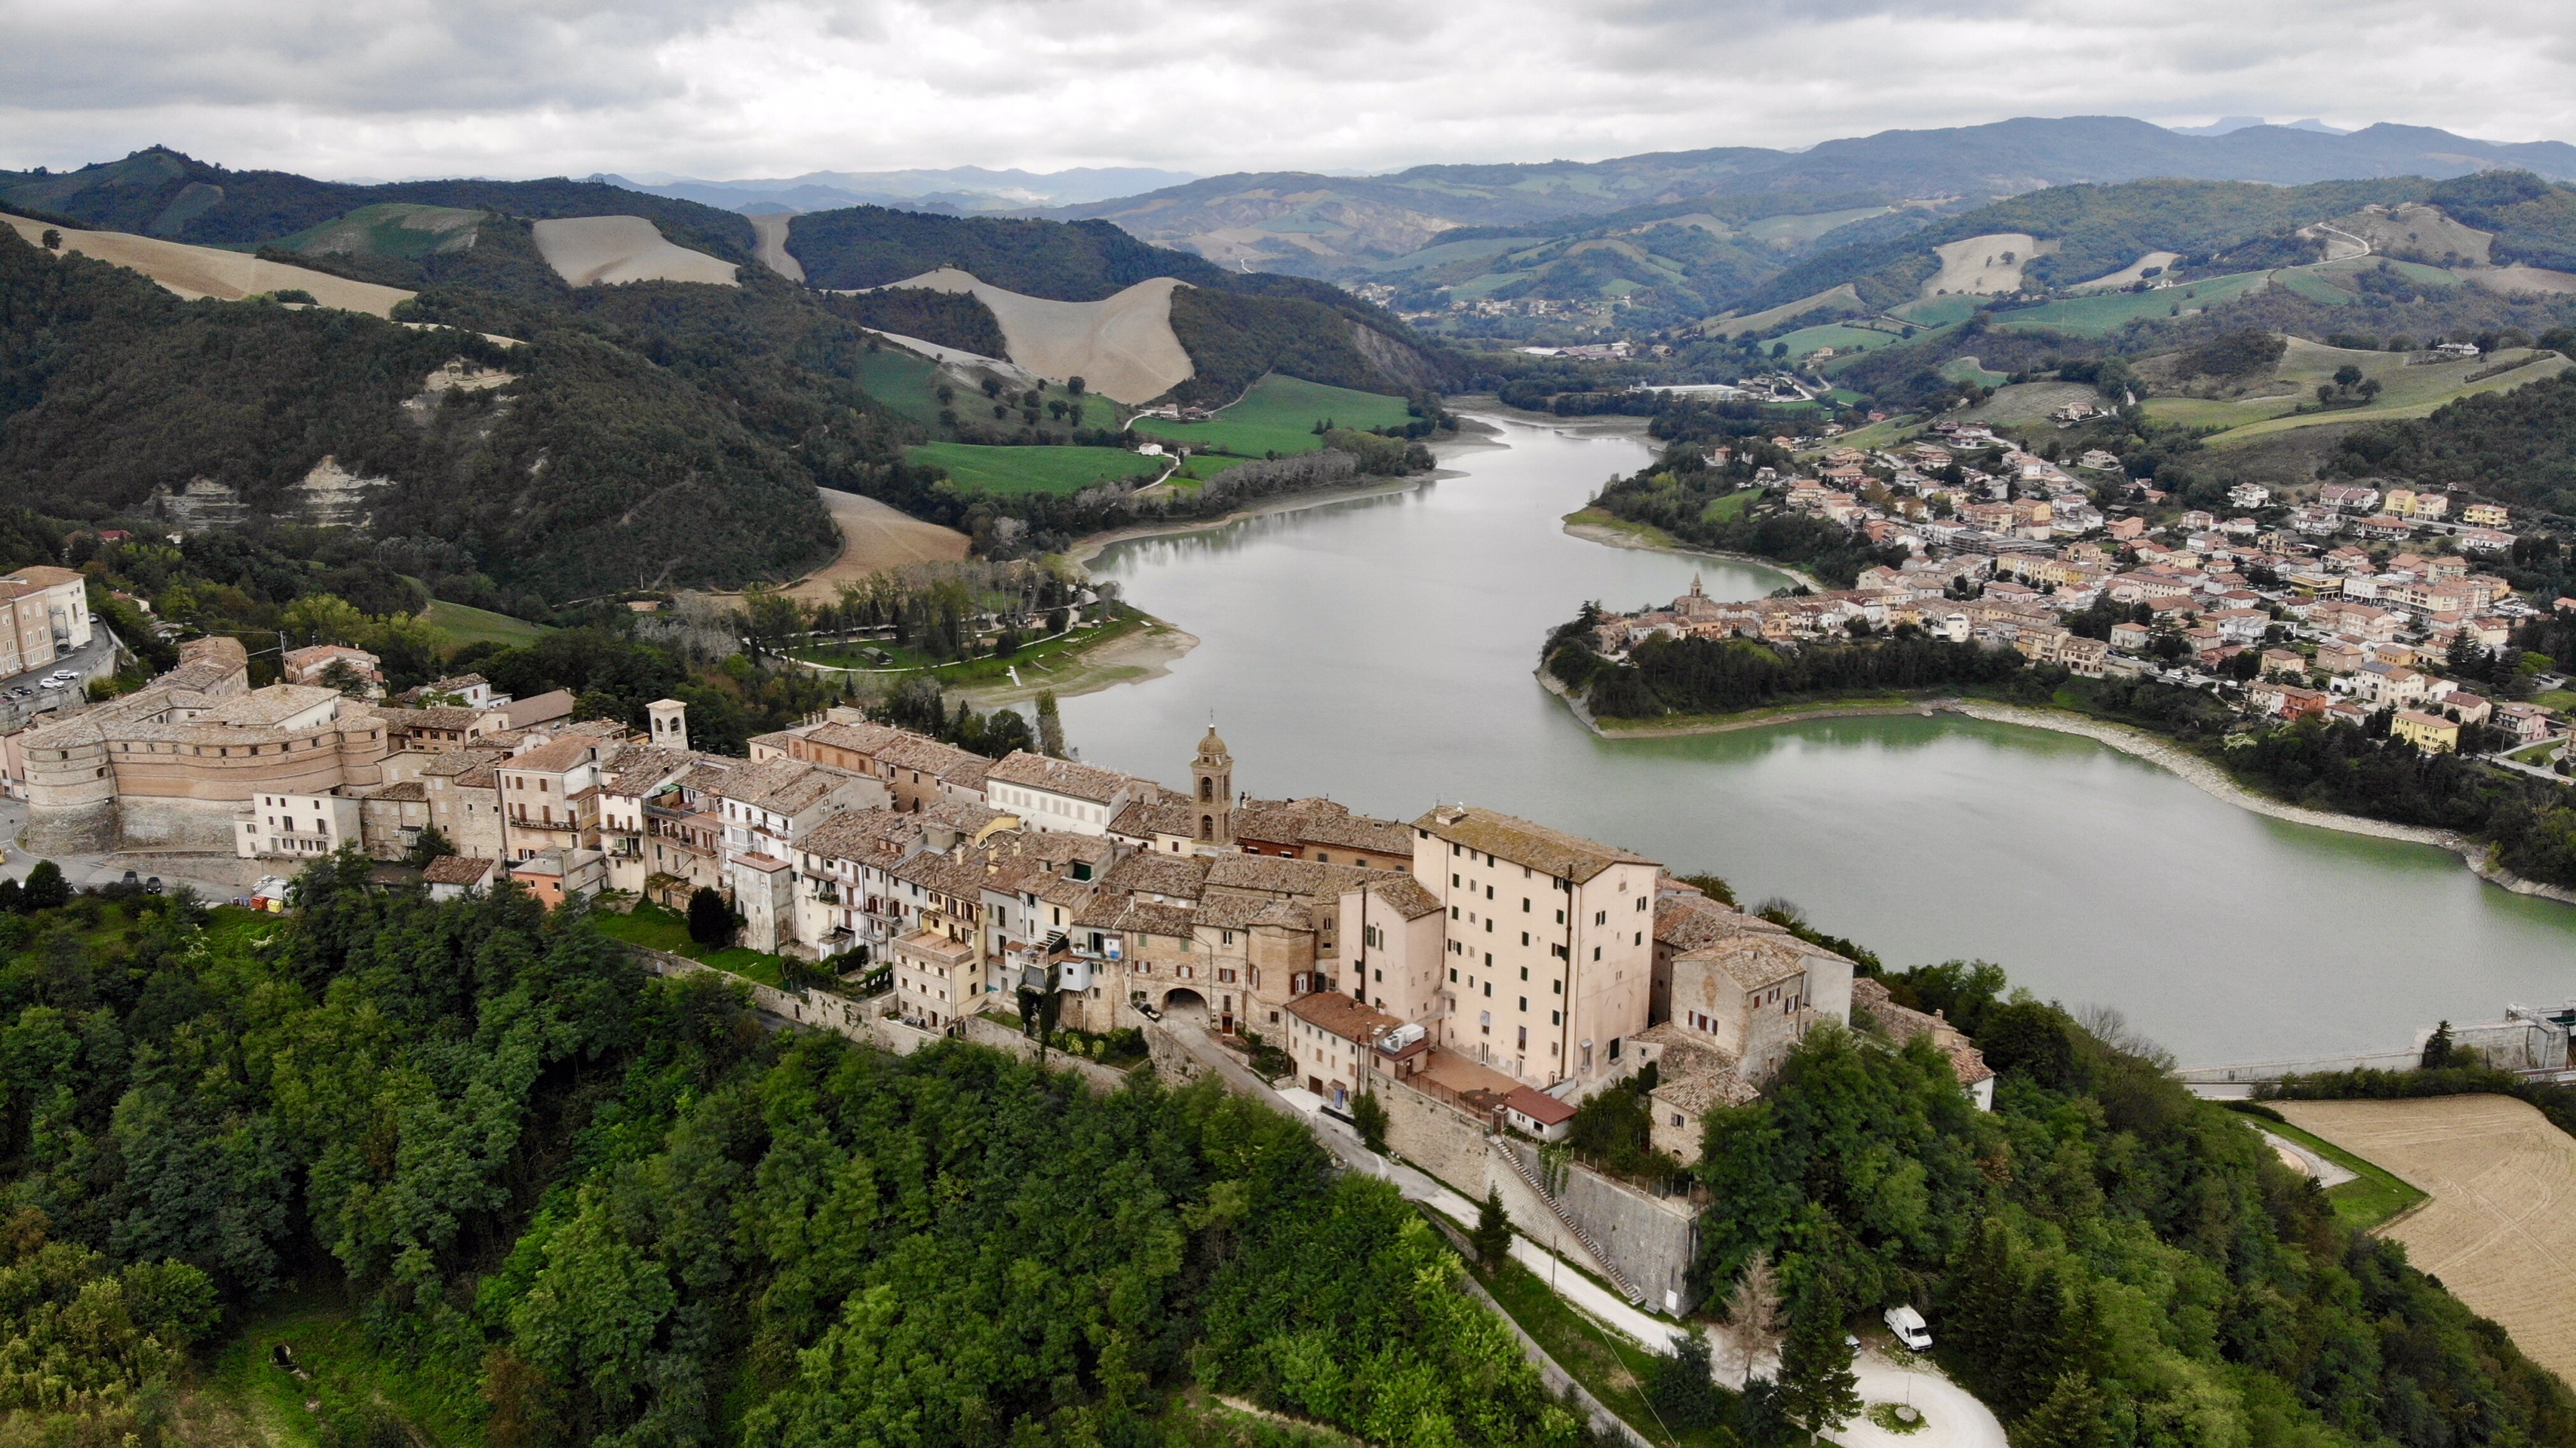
(1333, 226)
(956, 191)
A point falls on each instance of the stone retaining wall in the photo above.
(1652, 1240)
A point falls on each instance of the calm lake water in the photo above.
(1380, 650)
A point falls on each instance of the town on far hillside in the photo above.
(2378, 608)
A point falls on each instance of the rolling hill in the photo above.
(1327, 225)
(673, 402)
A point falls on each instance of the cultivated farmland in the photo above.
(2407, 389)
(596, 250)
(1121, 346)
(2100, 316)
(2501, 1227)
(191, 272)
(1278, 415)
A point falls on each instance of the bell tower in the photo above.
(1212, 790)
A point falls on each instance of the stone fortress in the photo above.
(171, 765)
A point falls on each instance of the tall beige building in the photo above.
(1547, 960)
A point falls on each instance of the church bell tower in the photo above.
(1212, 783)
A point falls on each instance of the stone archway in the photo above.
(1183, 1003)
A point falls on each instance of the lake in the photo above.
(1380, 651)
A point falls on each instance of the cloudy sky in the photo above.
(731, 88)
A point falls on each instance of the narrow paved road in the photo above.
(1952, 1418)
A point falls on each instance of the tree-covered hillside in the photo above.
(161, 192)
(2517, 446)
(2107, 1260)
(1083, 261)
(651, 436)
(2098, 230)
(571, 1203)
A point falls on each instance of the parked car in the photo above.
(133, 879)
(1909, 1328)
(152, 885)
(51, 684)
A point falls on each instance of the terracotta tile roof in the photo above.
(781, 786)
(456, 870)
(538, 709)
(943, 762)
(1270, 875)
(1143, 821)
(555, 758)
(1179, 877)
(1405, 895)
(1060, 776)
(1340, 1015)
(863, 835)
(408, 790)
(858, 738)
(1320, 822)
(1538, 1106)
(1523, 842)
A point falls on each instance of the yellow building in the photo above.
(2429, 732)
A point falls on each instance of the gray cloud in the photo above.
(741, 87)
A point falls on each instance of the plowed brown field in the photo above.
(2500, 1230)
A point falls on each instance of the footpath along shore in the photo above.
(2137, 743)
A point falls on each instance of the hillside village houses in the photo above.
(2007, 558)
(1497, 963)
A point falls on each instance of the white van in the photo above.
(1908, 1326)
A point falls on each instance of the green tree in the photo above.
(45, 887)
(711, 920)
(1818, 1389)
(1682, 1384)
(2439, 1053)
(2072, 1416)
(1369, 1114)
(1492, 1236)
(1050, 726)
(427, 846)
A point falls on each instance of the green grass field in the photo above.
(1063, 471)
(1278, 415)
(906, 383)
(466, 625)
(392, 228)
(2362, 1204)
(2405, 390)
(1840, 336)
(1730, 507)
(1033, 661)
(2100, 316)
(655, 928)
(243, 1392)
(1969, 369)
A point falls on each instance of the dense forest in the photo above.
(1724, 676)
(2111, 1261)
(160, 192)
(657, 440)
(1707, 505)
(950, 319)
(572, 1203)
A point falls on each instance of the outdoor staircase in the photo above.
(1617, 1278)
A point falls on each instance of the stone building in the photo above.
(44, 614)
(171, 765)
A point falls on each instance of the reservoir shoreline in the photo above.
(2136, 743)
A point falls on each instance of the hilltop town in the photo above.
(1491, 962)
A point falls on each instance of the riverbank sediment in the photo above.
(2138, 744)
